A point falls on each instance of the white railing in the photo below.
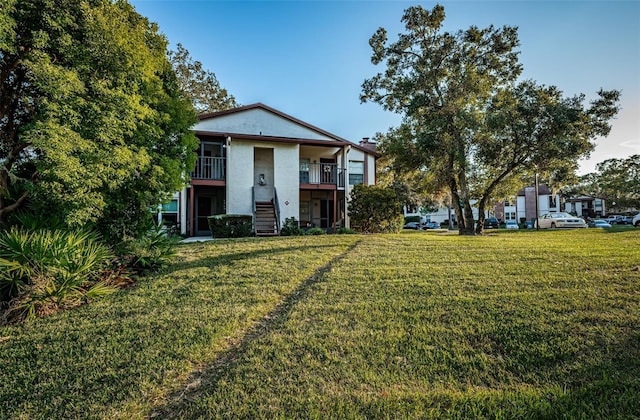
(321, 173)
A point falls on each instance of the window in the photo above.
(170, 207)
(356, 172)
(509, 215)
(304, 171)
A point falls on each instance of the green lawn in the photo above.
(518, 324)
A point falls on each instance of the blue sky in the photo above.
(309, 58)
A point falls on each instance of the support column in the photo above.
(192, 207)
(335, 210)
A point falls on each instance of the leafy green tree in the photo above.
(466, 124)
(617, 180)
(93, 125)
(199, 85)
(375, 209)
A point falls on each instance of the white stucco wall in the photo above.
(371, 170)
(239, 177)
(287, 179)
(258, 122)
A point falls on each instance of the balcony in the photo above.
(209, 168)
(321, 174)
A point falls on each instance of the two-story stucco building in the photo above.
(255, 160)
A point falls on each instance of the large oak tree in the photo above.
(93, 125)
(468, 124)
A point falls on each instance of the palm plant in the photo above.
(43, 270)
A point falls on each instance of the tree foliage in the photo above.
(467, 124)
(93, 125)
(199, 85)
(375, 209)
(617, 180)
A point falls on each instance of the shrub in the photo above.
(316, 231)
(45, 270)
(375, 209)
(291, 228)
(231, 225)
(151, 252)
(345, 231)
(408, 219)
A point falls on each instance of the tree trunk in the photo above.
(467, 228)
(480, 223)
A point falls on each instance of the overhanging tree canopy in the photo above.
(93, 124)
(466, 120)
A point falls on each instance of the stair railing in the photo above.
(253, 200)
(276, 204)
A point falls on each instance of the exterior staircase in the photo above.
(265, 220)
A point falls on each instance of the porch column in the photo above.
(192, 206)
(335, 211)
(183, 211)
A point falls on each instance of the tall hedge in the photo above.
(375, 209)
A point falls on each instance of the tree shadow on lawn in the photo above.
(228, 258)
(608, 388)
(208, 376)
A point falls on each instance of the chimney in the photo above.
(368, 144)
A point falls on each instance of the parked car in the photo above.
(491, 223)
(412, 225)
(598, 223)
(613, 219)
(511, 224)
(625, 220)
(560, 220)
(528, 224)
(636, 220)
(431, 225)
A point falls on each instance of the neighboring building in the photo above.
(524, 207)
(506, 210)
(255, 160)
(526, 202)
(586, 206)
(440, 215)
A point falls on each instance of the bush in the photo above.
(44, 270)
(291, 228)
(231, 225)
(408, 219)
(345, 231)
(375, 209)
(151, 252)
(316, 231)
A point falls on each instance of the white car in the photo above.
(511, 224)
(560, 220)
(636, 220)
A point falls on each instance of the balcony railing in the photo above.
(321, 173)
(212, 168)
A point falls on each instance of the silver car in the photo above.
(560, 220)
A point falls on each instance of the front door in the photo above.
(326, 214)
(207, 204)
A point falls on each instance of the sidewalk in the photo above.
(197, 239)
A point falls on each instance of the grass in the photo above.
(510, 325)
